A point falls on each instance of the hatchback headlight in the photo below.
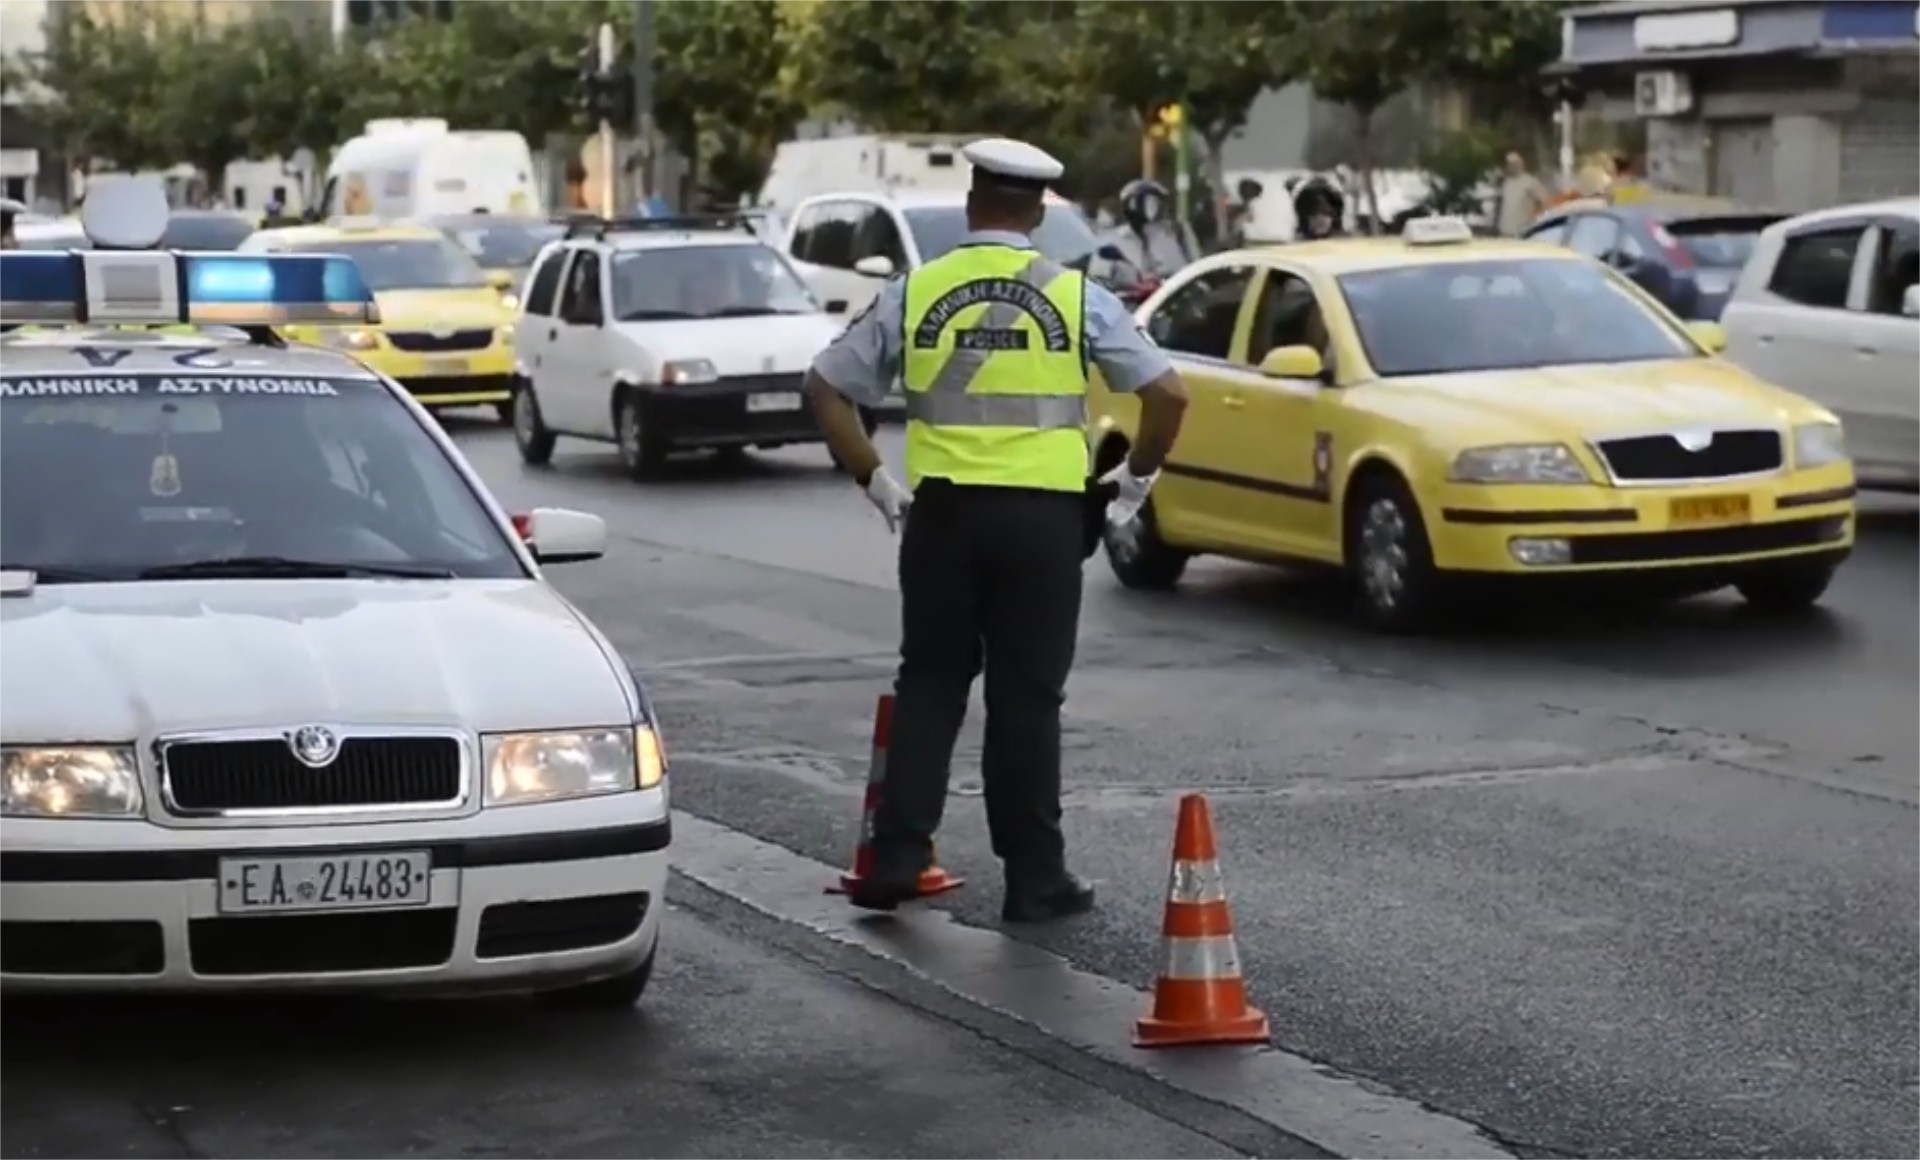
(1819, 445)
(70, 781)
(1519, 463)
(349, 339)
(689, 370)
(543, 767)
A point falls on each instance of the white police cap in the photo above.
(1013, 162)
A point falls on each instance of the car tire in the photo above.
(617, 993)
(642, 451)
(1389, 558)
(868, 419)
(530, 432)
(504, 412)
(1783, 589)
(1142, 560)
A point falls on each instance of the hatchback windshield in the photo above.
(434, 263)
(706, 282)
(504, 243)
(1064, 234)
(112, 477)
(1502, 315)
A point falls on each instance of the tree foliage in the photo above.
(716, 96)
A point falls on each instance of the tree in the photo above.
(713, 98)
(1499, 53)
(105, 93)
(300, 89)
(208, 77)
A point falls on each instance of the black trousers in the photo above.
(989, 578)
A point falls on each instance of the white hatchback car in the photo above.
(288, 702)
(1827, 307)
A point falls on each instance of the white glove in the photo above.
(1123, 508)
(888, 496)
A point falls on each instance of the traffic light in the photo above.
(1165, 121)
(604, 95)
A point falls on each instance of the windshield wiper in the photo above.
(277, 567)
(657, 315)
(58, 575)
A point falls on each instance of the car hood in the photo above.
(1575, 403)
(758, 345)
(120, 662)
(462, 309)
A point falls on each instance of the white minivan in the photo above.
(1827, 306)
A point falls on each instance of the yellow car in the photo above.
(444, 333)
(1430, 409)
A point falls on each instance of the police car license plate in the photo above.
(390, 878)
(447, 366)
(773, 401)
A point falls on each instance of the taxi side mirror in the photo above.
(563, 536)
(1711, 336)
(1293, 362)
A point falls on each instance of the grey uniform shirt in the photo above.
(864, 361)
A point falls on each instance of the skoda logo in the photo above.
(1694, 439)
(442, 332)
(314, 745)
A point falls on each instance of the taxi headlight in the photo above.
(1819, 445)
(70, 781)
(1519, 463)
(689, 370)
(349, 339)
(544, 767)
(510, 300)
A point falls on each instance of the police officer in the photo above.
(992, 344)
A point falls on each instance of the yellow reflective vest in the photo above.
(994, 365)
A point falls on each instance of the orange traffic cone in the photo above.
(933, 880)
(1199, 996)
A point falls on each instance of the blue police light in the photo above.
(155, 288)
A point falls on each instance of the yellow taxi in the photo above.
(444, 332)
(1432, 409)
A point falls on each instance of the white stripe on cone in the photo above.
(1200, 958)
(1195, 882)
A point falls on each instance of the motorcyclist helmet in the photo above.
(1318, 207)
(1143, 202)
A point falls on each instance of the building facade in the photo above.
(1794, 104)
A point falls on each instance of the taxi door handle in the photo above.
(1234, 402)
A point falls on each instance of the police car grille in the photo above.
(424, 341)
(211, 777)
(1653, 457)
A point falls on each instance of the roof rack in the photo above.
(593, 227)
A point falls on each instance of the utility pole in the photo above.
(608, 51)
(643, 50)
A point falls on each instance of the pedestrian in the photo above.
(1522, 197)
(992, 344)
(9, 210)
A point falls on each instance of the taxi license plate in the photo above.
(775, 401)
(392, 878)
(448, 366)
(1706, 511)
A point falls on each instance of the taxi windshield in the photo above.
(108, 477)
(504, 244)
(1063, 236)
(706, 282)
(1456, 317)
(434, 263)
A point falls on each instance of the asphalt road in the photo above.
(1604, 884)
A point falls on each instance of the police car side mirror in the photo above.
(1293, 362)
(874, 266)
(563, 536)
(1110, 253)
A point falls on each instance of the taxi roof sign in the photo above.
(1437, 231)
(146, 287)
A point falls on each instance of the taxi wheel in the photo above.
(1389, 556)
(1139, 557)
(530, 432)
(1787, 588)
(641, 451)
(615, 994)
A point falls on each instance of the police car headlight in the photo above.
(1819, 445)
(349, 339)
(1519, 463)
(543, 767)
(78, 781)
(689, 370)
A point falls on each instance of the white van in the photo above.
(1827, 307)
(418, 167)
(866, 163)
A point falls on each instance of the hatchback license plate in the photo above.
(1707, 511)
(447, 366)
(338, 882)
(777, 401)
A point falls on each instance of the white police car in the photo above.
(287, 701)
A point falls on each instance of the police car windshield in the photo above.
(706, 282)
(504, 243)
(114, 476)
(1064, 234)
(434, 263)
(1503, 315)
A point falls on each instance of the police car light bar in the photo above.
(138, 287)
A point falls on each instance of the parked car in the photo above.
(1686, 252)
(1827, 306)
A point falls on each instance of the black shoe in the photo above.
(884, 892)
(1061, 897)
